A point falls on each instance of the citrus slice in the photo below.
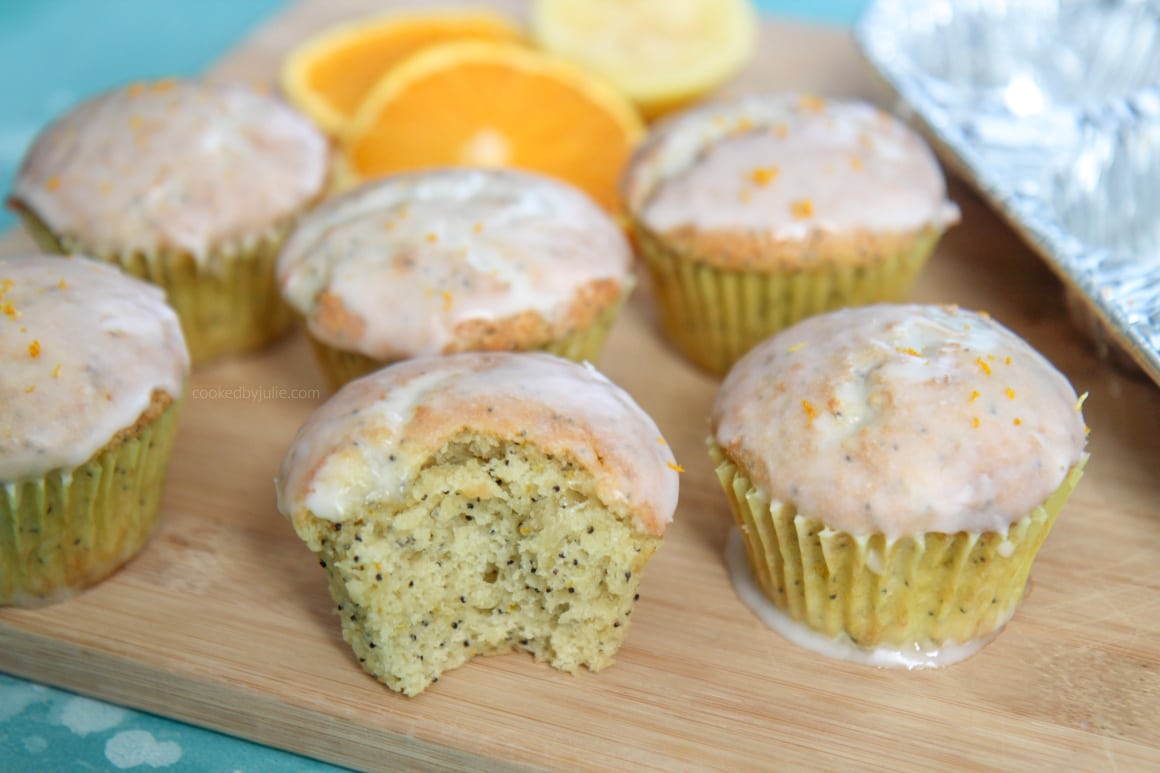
(494, 105)
(328, 76)
(661, 53)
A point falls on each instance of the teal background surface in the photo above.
(54, 53)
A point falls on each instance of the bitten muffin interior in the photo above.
(497, 547)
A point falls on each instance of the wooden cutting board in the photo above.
(224, 620)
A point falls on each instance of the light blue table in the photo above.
(54, 53)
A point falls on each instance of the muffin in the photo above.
(753, 214)
(480, 503)
(91, 381)
(191, 186)
(455, 260)
(894, 470)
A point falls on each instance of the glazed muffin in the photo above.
(455, 260)
(894, 470)
(92, 376)
(756, 213)
(191, 186)
(477, 504)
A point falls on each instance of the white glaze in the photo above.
(901, 420)
(414, 256)
(103, 342)
(368, 441)
(751, 163)
(915, 657)
(175, 165)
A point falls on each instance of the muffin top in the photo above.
(172, 165)
(453, 259)
(84, 346)
(901, 420)
(373, 436)
(787, 166)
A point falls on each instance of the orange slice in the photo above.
(328, 76)
(494, 105)
(663, 54)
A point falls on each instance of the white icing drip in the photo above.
(172, 165)
(750, 163)
(366, 443)
(412, 257)
(103, 342)
(916, 657)
(901, 420)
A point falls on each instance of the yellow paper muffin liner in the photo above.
(919, 592)
(339, 366)
(228, 301)
(73, 528)
(714, 315)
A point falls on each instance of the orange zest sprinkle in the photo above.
(1079, 403)
(856, 163)
(56, 371)
(1010, 393)
(812, 103)
(1017, 421)
(1087, 430)
(809, 409)
(974, 396)
(431, 237)
(675, 466)
(53, 183)
(1006, 360)
(163, 85)
(661, 440)
(478, 228)
(11, 311)
(802, 209)
(446, 300)
(764, 175)
(975, 422)
(34, 349)
(983, 314)
(30, 389)
(983, 364)
(62, 284)
(908, 350)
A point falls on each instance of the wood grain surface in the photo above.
(224, 620)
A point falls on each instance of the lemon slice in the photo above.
(661, 53)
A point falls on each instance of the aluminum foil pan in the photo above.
(1051, 108)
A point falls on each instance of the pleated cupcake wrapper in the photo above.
(73, 528)
(923, 591)
(713, 315)
(339, 366)
(228, 301)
